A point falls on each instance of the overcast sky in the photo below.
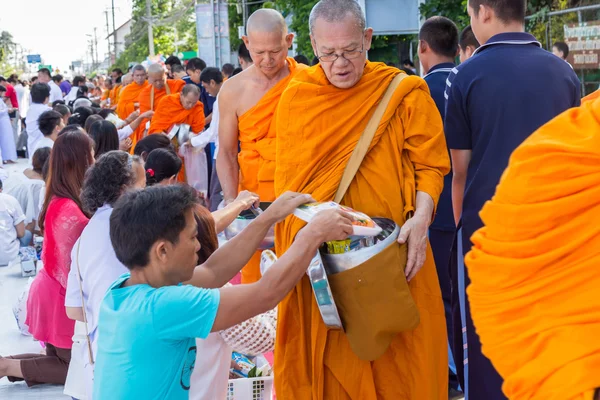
(57, 29)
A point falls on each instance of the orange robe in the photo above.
(534, 265)
(105, 94)
(114, 95)
(127, 99)
(318, 127)
(591, 97)
(170, 112)
(257, 156)
(145, 98)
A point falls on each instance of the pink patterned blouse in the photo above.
(46, 315)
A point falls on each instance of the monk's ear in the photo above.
(313, 44)
(245, 40)
(368, 38)
(289, 39)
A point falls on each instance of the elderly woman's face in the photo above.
(140, 175)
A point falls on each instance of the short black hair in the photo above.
(80, 116)
(172, 60)
(563, 47)
(0, 184)
(441, 34)
(2, 79)
(13, 79)
(227, 69)
(177, 68)
(302, 59)
(162, 164)
(2, 89)
(48, 121)
(118, 71)
(152, 142)
(244, 53)
(236, 71)
(40, 92)
(107, 178)
(105, 136)
(467, 38)
(62, 109)
(78, 79)
(408, 61)
(194, 64)
(211, 74)
(506, 10)
(57, 78)
(140, 218)
(40, 160)
(45, 71)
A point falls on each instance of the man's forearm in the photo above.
(424, 206)
(223, 218)
(458, 192)
(230, 258)
(228, 171)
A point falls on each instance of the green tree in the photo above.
(7, 45)
(456, 10)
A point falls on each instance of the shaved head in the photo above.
(190, 95)
(336, 11)
(266, 20)
(156, 76)
(127, 79)
(138, 74)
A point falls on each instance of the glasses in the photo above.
(348, 55)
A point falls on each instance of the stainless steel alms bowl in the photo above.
(245, 219)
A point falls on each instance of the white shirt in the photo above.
(211, 375)
(55, 92)
(72, 95)
(34, 135)
(22, 98)
(11, 215)
(43, 142)
(211, 134)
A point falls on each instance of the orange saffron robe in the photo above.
(170, 112)
(534, 264)
(257, 156)
(318, 127)
(114, 95)
(591, 97)
(127, 99)
(145, 99)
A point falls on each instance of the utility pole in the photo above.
(108, 37)
(150, 33)
(114, 29)
(96, 46)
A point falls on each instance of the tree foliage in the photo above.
(7, 45)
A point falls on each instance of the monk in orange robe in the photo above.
(320, 118)
(591, 97)
(179, 108)
(247, 104)
(159, 87)
(128, 100)
(113, 96)
(534, 264)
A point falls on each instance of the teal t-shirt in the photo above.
(146, 340)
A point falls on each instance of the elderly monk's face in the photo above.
(139, 77)
(188, 102)
(345, 40)
(157, 79)
(269, 50)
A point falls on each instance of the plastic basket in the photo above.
(250, 389)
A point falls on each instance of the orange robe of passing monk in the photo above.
(145, 98)
(534, 265)
(105, 94)
(170, 112)
(591, 97)
(114, 95)
(127, 100)
(257, 154)
(318, 127)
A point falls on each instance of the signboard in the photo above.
(34, 59)
(584, 45)
(45, 66)
(212, 30)
(392, 17)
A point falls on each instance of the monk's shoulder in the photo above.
(234, 87)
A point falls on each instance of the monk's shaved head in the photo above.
(138, 74)
(190, 94)
(266, 20)
(336, 11)
(127, 79)
(156, 76)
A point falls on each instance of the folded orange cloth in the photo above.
(318, 127)
(534, 265)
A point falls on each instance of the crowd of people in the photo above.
(481, 162)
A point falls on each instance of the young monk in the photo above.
(247, 104)
(128, 100)
(534, 264)
(159, 87)
(179, 108)
(320, 119)
(482, 131)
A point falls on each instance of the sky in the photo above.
(57, 29)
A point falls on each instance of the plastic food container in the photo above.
(245, 219)
(250, 389)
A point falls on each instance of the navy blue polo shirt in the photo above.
(206, 99)
(494, 101)
(436, 80)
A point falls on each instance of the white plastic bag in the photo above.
(20, 309)
(196, 168)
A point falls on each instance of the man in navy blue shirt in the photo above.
(438, 48)
(495, 100)
(194, 68)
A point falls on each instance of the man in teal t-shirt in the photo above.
(148, 320)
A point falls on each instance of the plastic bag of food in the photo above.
(363, 224)
(243, 366)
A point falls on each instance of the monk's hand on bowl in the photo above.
(285, 205)
(414, 232)
(330, 225)
(247, 199)
(147, 114)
